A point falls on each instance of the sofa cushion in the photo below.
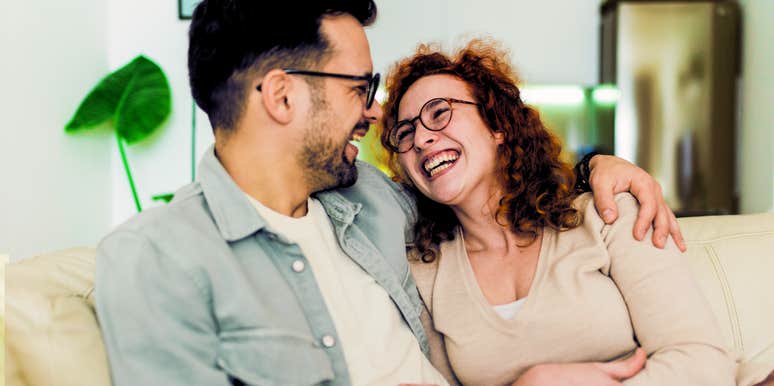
(733, 259)
(52, 331)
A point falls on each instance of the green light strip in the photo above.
(605, 95)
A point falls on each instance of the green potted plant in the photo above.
(136, 98)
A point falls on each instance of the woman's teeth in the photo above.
(439, 163)
(440, 168)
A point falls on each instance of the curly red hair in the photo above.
(537, 185)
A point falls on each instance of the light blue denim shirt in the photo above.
(202, 292)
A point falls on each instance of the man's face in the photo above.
(338, 108)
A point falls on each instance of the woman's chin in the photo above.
(446, 196)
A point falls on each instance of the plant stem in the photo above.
(128, 172)
(193, 141)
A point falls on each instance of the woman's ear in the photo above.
(276, 92)
(499, 137)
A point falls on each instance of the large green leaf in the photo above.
(146, 103)
(136, 96)
(102, 101)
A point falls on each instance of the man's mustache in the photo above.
(362, 125)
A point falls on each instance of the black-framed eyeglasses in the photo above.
(435, 115)
(370, 91)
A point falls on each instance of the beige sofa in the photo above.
(53, 337)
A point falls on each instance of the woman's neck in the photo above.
(480, 227)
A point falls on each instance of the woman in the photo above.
(515, 267)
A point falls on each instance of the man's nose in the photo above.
(373, 113)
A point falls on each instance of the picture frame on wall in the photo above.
(185, 8)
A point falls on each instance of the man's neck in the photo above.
(267, 174)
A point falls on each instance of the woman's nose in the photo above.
(373, 113)
(423, 137)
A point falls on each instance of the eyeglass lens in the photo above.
(373, 84)
(435, 116)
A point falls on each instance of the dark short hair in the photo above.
(232, 40)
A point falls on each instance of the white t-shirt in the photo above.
(509, 310)
(378, 346)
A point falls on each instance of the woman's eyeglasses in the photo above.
(435, 115)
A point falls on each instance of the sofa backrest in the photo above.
(52, 333)
(733, 259)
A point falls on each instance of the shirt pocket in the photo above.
(269, 357)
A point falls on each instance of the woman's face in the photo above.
(456, 165)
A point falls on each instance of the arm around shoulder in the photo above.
(155, 318)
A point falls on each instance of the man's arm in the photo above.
(155, 318)
(608, 175)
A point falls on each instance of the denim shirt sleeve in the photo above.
(155, 317)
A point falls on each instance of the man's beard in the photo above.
(322, 156)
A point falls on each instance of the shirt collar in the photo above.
(234, 215)
(338, 207)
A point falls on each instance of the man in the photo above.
(284, 263)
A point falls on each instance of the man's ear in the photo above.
(276, 88)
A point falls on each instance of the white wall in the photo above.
(54, 188)
(551, 41)
(756, 141)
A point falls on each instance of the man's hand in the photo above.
(584, 374)
(610, 175)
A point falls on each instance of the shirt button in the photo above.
(298, 266)
(328, 341)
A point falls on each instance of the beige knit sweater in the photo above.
(596, 293)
